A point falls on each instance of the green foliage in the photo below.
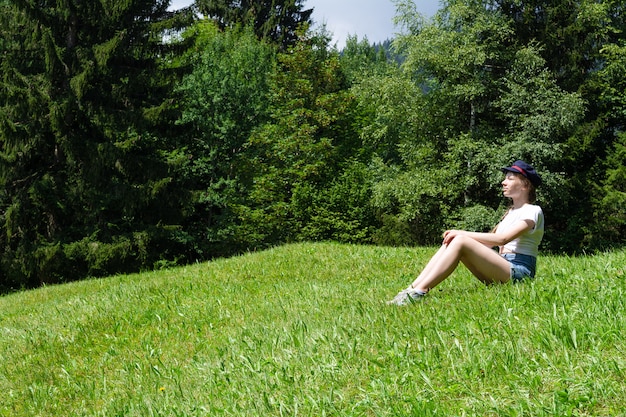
(79, 154)
(274, 21)
(538, 114)
(339, 212)
(477, 218)
(361, 60)
(411, 204)
(571, 33)
(610, 193)
(394, 124)
(222, 101)
(483, 101)
(611, 206)
(459, 55)
(594, 157)
(302, 149)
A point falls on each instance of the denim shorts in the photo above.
(522, 266)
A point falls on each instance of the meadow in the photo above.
(303, 330)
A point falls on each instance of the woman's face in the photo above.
(513, 186)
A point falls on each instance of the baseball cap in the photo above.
(527, 170)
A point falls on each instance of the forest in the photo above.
(134, 138)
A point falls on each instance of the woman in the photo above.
(518, 236)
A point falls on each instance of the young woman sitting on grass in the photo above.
(517, 235)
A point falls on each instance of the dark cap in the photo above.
(527, 170)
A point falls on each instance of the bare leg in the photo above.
(432, 263)
(483, 262)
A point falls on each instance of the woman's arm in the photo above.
(492, 239)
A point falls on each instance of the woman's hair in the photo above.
(532, 191)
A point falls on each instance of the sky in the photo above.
(364, 18)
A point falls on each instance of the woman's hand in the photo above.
(449, 235)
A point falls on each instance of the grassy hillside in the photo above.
(304, 330)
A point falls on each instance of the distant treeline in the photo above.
(133, 137)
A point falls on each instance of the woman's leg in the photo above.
(484, 263)
(432, 264)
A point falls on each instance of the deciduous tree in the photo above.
(223, 100)
(481, 100)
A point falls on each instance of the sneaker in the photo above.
(405, 297)
(399, 297)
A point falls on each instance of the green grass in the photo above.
(303, 330)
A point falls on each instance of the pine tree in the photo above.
(80, 102)
(275, 20)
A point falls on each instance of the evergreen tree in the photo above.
(80, 103)
(273, 20)
(359, 59)
(608, 227)
(308, 181)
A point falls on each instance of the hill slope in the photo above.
(304, 330)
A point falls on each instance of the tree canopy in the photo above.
(275, 20)
(82, 92)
